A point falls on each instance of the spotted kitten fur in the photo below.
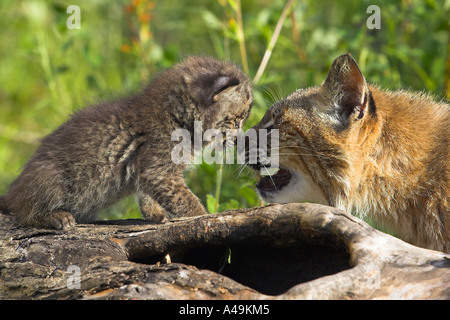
(117, 148)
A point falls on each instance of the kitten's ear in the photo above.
(211, 86)
(347, 87)
(224, 82)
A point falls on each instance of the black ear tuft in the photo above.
(209, 85)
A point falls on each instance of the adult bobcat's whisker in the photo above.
(305, 154)
(242, 167)
(295, 147)
(300, 154)
(319, 155)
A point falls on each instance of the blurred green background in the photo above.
(48, 71)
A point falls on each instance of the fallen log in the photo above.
(290, 251)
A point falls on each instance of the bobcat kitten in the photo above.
(116, 148)
(383, 155)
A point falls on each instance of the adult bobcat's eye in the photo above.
(237, 124)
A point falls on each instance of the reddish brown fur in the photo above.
(379, 154)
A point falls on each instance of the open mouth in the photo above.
(274, 182)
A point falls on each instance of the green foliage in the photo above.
(48, 71)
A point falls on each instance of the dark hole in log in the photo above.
(269, 270)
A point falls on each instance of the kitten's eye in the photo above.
(237, 124)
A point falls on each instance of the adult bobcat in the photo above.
(382, 155)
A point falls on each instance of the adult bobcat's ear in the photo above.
(347, 87)
(211, 85)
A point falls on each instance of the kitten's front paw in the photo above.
(60, 220)
(152, 211)
(156, 216)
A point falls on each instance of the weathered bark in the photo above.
(292, 251)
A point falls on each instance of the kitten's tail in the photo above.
(3, 207)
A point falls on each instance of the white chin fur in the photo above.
(301, 188)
